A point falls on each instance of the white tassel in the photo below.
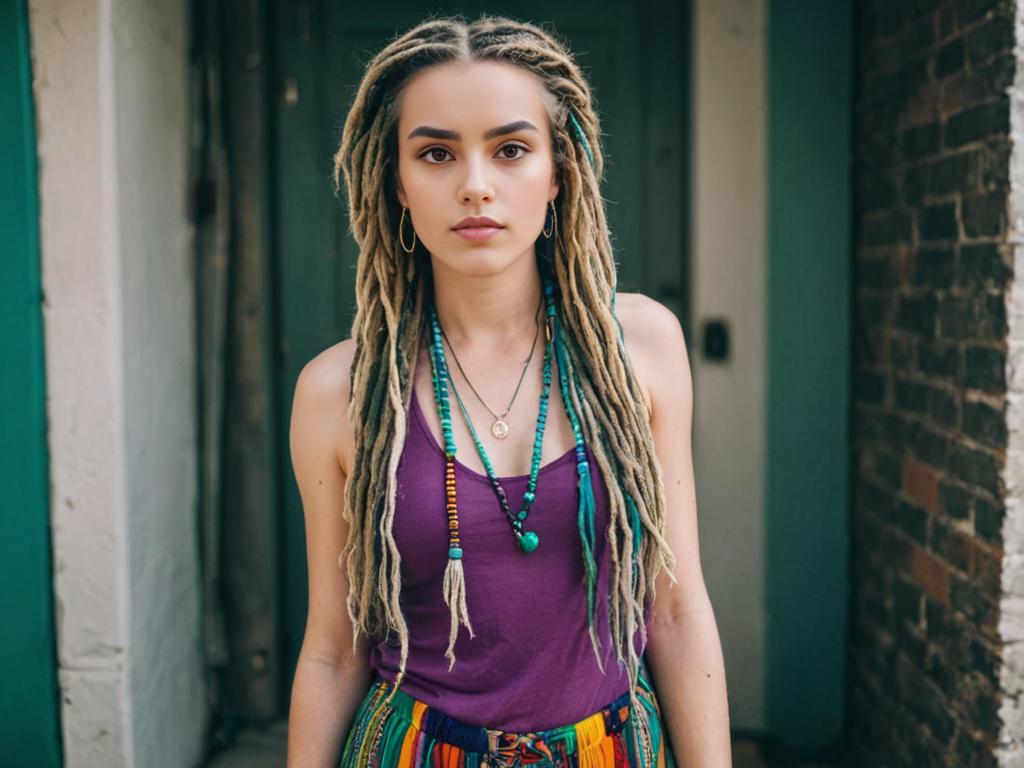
(455, 597)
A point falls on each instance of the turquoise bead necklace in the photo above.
(528, 540)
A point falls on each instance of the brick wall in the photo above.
(931, 278)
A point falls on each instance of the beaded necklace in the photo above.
(454, 579)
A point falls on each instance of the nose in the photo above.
(476, 186)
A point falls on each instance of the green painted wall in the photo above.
(30, 734)
(809, 120)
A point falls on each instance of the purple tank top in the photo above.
(530, 664)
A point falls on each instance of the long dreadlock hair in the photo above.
(393, 286)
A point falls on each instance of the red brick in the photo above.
(986, 569)
(931, 575)
(921, 483)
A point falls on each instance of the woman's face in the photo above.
(474, 140)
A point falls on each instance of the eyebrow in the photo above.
(490, 133)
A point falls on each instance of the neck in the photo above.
(488, 311)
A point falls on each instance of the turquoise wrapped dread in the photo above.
(583, 138)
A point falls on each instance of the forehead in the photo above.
(470, 97)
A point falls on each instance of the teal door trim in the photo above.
(29, 697)
(808, 291)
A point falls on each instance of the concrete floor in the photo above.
(256, 749)
(266, 749)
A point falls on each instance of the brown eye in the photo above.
(513, 147)
(432, 153)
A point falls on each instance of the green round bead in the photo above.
(528, 541)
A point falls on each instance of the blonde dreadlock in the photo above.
(391, 289)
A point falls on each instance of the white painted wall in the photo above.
(1009, 750)
(728, 269)
(110, 90)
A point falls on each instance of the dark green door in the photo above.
(634, 55)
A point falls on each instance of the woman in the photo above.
(508, 599)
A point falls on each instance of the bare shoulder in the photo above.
(319, 435)
(320, 404)
(656, 346)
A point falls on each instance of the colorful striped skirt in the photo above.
(406, 733)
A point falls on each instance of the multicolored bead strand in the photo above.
(454, 577)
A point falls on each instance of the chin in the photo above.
(477, 262)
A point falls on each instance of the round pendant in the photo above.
(499, 429)
(528, 542)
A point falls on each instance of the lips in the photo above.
(477, 228)
(477, 222)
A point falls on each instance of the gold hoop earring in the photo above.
(554, 220)
(401, 232)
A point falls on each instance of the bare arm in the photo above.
(684, 652)
(329, 681)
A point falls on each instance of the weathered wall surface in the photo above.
(728, 268)
(934, 273)
(110, 88)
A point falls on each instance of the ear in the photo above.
(399, 191)
(553, 189)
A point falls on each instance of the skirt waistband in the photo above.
(568, 739)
